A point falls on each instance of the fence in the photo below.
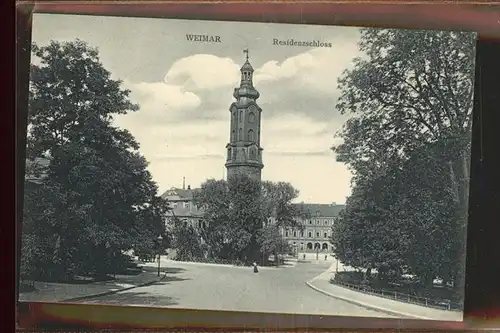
(432, 303)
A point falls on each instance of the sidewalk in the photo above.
(322, 284)
(59, 292)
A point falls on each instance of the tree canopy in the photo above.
(236, 216)
(97, 197)
(407, 142)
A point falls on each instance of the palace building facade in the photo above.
(315, 236)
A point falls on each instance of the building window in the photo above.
(286, 234)
(310, 222)
(295, 234)
(251, 117)
(326, 222)
(325, 235)
(317, 234)
(301, 234)
(241, 116)
(250, 135)
(310, 234)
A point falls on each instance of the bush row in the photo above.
(220, 261)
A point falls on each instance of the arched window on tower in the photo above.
(251, 117)
(240, 134)
(233, 135)
(241, 116)
(250, 135)
(229, 153)
(252, 153)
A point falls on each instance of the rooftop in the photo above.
(174, 194)
(323, 210)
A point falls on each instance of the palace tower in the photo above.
(244, 153)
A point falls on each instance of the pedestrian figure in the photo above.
(326, 256)
(255, 269)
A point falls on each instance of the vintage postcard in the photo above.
(247, 167)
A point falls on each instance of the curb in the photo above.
(80, 298)
(367, 306)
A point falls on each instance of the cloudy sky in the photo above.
(184, 90)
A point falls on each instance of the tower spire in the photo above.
(244, 153)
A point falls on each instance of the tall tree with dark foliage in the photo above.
(410, 101)
(97, 197)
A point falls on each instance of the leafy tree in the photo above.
(233, 214)
(278, 202)
(362, 237)
(272, 242)
(99, 197)
(236, 213)
(278, 205)
(412, 89)
(186, 240)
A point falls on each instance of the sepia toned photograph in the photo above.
(299, 169)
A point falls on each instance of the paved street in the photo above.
(196, 286)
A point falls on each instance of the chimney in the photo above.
(189, 187)
(334, 203)
(183, 183)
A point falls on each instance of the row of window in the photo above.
(250, 135)
(319, 222)
(311, 246)
(309, 234)
(251, 117)
(180, 204)
(253, 153)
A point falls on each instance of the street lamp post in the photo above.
(317, 252)
(160, 238)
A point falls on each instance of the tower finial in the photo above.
(246, 51)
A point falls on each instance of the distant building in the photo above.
(182, 206)
(317, 229)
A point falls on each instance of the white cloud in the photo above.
(196, 149)
(204, 72)
(316, 69)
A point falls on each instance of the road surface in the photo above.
(281, 290)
